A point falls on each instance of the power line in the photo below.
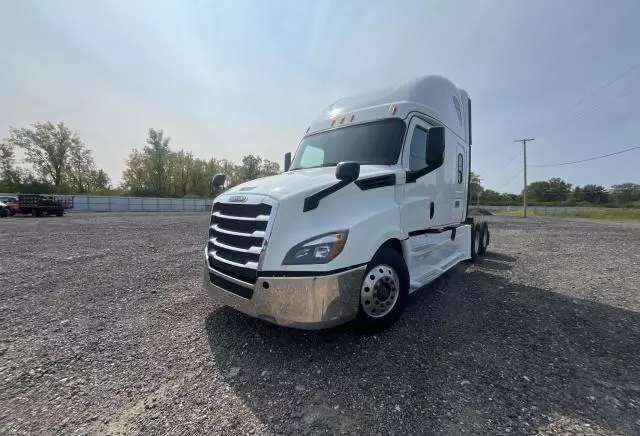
(589, 110)
(586, 160)
(510, 180)
(596, 91)
(511, 160)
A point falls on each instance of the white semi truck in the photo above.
(372, 207)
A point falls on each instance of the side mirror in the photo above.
(435, 147)
(348, 171)
(287, 161)
(218, 182)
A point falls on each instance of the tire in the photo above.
(35, 213)
(59, 212)
(476, 238)
(384, 291)
(484, 241)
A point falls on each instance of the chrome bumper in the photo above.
(300, 302)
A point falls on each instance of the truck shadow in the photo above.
(472, 352)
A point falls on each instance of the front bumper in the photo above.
(301, 302)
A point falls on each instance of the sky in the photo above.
(228, 78)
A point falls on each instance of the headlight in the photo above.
(321, 249)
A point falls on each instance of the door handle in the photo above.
(431, 210)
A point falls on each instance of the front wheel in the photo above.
(384, 290)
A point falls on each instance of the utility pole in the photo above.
(524, 148)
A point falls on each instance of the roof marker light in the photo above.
(333, 122)
(308, 128)
(341, 120)
(352, 117)
(393, 109)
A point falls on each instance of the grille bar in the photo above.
(236, 239)
(241, 218)
(242, 210)
(253, 250)
(246, 275)
(255, 234)
(248, 265)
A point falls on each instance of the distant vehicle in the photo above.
(12, 203)
(4, 210)
(41, 205)
(373, 207)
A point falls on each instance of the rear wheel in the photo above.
(476, 238)
(60, 212)
(484, 238)
(384, 290)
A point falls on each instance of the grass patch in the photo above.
(603, 213)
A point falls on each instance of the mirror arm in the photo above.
(412, 176)
(313, 201)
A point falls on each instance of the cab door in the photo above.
(426, 208)
(418, 205)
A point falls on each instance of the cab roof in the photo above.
(433, 95)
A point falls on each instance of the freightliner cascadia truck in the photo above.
(372, 207)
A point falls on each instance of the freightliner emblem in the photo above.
(238, 198)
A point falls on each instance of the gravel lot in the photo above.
(105, 330)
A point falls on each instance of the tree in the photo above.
(250, 169)
(57, 156)
(135, 176)
(269, 168)
(159, 154)
(595, 194)
(8, 172)
(81, 169)
(553, 190)
(98, 181)
(625, 193)
(46, 147)
(577, 195)
(475, 188)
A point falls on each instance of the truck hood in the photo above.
(293, 183)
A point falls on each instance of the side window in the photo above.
(312, 157)
(418, 149)
(460, 167)
(456, 105)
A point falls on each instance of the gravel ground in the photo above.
(105, 330)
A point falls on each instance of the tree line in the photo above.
(156, 170)
(56, 160)
(557, 192)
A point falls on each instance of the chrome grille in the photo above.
(236, 237)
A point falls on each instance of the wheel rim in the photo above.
(380, 291)
(476, 242)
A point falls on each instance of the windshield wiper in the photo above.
(315, 166)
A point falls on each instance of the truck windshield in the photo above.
(375, 143)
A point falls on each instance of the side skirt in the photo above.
(430, 255)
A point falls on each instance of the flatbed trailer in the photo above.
(41, 205)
